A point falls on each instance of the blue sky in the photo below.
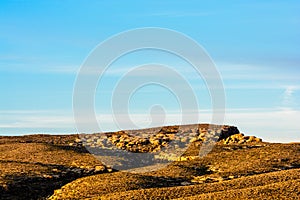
(254, 44)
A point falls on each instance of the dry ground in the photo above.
(32, 167)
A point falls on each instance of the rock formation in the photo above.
(154, 139)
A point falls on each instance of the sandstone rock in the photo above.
(99, 168)
(55, 170)
(156, 139)
(240, 139)
(77, 140)
(207, 179)
(184, 139)
(89, 141)
(187, 158)
(171, 136)
(194, 140)
(109, 169)
(47, 176)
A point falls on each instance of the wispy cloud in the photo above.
(288, 101)
(35, 119)
(39, 69)
(244, 71)
(63, 69)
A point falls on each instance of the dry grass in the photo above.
(236, 188)
(255, 169)
(32, 167)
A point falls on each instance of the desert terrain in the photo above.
(239, 166)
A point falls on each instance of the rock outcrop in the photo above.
(155, 139)
(241, 139)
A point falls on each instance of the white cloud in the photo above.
(288, 96)
(271, 125)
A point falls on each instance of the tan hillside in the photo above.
(238, 167)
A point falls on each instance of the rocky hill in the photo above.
(63, 167)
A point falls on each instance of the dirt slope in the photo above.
(229, 171)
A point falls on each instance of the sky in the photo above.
(255, 46)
